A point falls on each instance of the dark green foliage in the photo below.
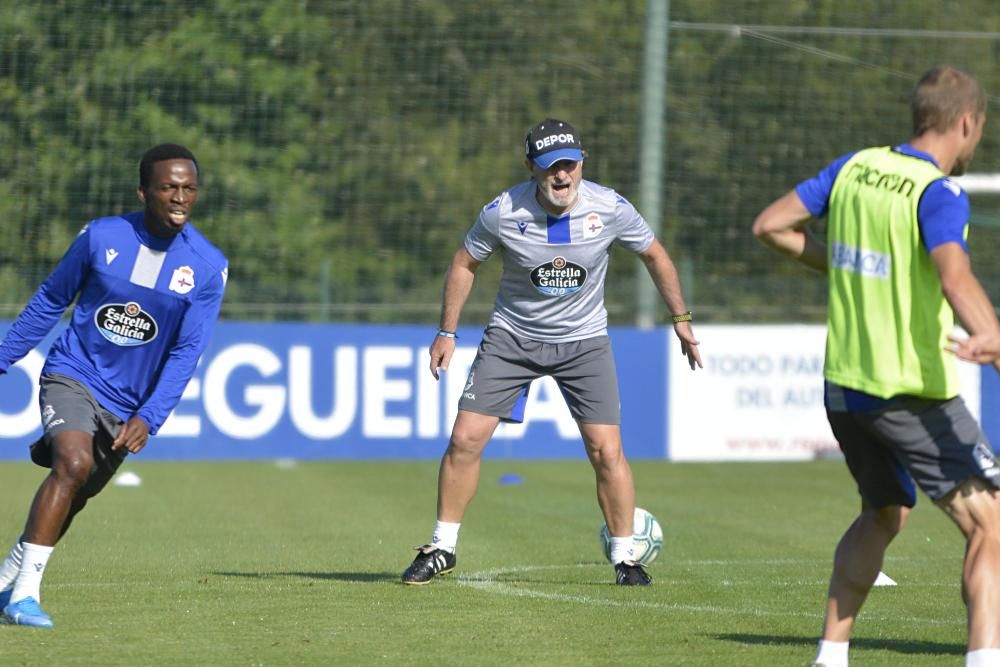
(347, 146)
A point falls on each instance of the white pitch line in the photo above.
(825, 562)
(486, 580)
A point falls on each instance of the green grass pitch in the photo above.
(250, 563)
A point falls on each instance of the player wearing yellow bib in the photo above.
(883, 285)
(899, 272)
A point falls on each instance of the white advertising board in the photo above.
(759, 396)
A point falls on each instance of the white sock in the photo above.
(832, 654)
(445, 536)
(983, 657)
(11, 566)
(622, 548)
(29, 579)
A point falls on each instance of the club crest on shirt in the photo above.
(592, 226)
(125, 324)
(182, 281)
(986, 460)
(558, 277)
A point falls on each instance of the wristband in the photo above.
(683, 317)
(447, 334)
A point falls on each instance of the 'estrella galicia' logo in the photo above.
(558, 277)
(125, 324)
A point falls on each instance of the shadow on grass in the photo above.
(361, 577)
(896, 645)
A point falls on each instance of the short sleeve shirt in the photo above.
(554, 267)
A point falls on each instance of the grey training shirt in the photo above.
(552, 285)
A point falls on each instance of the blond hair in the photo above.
(941, 96)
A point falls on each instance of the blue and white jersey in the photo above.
(552, 285)
(145, 309)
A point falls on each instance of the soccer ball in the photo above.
(647, 535)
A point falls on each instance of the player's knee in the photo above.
(73, 467)
(888, 520)
(891, 524)
(466, 444)
(606, 454)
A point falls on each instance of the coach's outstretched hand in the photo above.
(689, 345)
(441, 350)
(133, 435)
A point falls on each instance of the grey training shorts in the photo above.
(935, 443)
(505, 366)
(67, 405)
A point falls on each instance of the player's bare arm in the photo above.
(457, 285)
(971, 304)
(664, 274)
(782, 226)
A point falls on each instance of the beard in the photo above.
(559, 198)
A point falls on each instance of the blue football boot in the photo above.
(26, 612)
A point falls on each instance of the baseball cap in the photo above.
(552, 140)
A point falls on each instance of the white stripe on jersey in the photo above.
(146, 269)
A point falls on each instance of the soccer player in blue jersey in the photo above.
(148, 288)
(897, 261)
(554, 232)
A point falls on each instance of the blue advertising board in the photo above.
(310, 391)
(325, 391)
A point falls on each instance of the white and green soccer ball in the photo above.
(646, 534)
